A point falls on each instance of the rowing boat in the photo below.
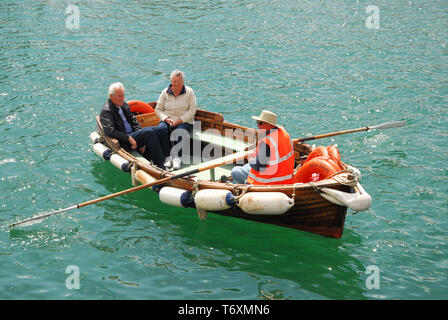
(318, 207)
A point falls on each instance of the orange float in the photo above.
(316, 169)
(333, 152)
(337, 165)
(330, 152)
(319, 151)
(335, 156)
(140, 107)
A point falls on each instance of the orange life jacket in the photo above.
(280, 166)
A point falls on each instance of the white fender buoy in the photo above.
(95, 137)
(332, 200)
(358, 201)
(102, 151)
(265, 203)
(143, 177)
(120, 163)
(213, 199)
(175, 197)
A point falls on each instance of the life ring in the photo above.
(319, 151)
(334, 155)
(140, 107)
(333, 152)
(337, 165)
(318, 168)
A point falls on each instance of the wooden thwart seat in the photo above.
(214, 172)
(221, 141)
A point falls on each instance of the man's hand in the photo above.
(252, 154)
(177, 122)
(133, 143)
(169, 121)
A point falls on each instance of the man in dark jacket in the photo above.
(118, 122)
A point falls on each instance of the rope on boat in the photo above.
(339, 172)
(195, 188)
(293, 197)
(163, 173)
(235, 191)
(315, 186)
(202, 214)
(346, 182)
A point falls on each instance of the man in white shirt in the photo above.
(176, 108)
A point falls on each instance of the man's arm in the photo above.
(189, 114)
(160, 108)
(110, 127)
(262, 158)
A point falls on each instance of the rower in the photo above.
(273, 160)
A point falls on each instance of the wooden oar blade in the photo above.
(389, 125)
(27, 223)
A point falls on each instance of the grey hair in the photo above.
(177, 73)
(114, 86)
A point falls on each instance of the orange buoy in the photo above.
(337, 165)
(316, 169)
(335, 156)
(140, 107)
(319, 151)
(333, 152)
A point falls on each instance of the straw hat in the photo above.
(268, 117)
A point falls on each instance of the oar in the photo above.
(387, 125)
(227, 159)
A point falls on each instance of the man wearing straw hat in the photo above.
(274, 156)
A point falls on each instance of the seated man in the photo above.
(119, 123)
(274, 157)
(176, 108)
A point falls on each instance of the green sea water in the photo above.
(322, 66)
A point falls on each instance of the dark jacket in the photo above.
(113, 125)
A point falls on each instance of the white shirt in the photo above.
(181, 107)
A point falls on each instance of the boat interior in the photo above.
(217, 140)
